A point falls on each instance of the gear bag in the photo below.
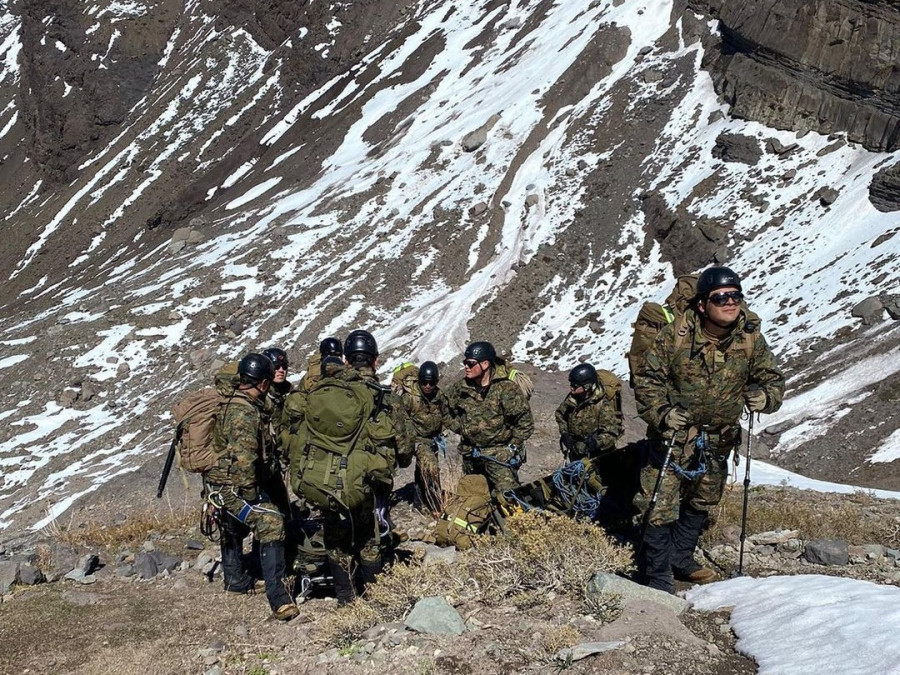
(468, 513)
(404, 378)
(505, 369)
(333, 461)
(195, 421)
(653, 317)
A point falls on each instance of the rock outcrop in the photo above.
(884, 191)
(820, 65)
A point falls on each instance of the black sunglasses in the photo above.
(721, 299)
(470, 363)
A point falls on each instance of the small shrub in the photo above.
(136, 529)
(344, 626)
(605, 607)
(555, 639)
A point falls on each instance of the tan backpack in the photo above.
(404, 378)
(504, 369)
(467, 513)
(195, 420)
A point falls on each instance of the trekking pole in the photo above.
(654, 496)
(167, 468)
(740, 569)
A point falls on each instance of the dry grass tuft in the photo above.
(136, 529)
(851, 519)
(538, 554)
(555, 639)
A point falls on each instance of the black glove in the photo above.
(591, 444)
(567, 441)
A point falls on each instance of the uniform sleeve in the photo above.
(517, 412)
(561, 421)
(610, 426)
(448, 413)
(651, 379)
(403, 430)
(241, 432)
(765, 373)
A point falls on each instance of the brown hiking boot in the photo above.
(287, 612)
(704, 575)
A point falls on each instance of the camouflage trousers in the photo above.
(493, 467)
(428, 475)
(251, 509)
(702, 493)
(352, 537)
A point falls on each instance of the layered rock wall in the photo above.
(828, 66)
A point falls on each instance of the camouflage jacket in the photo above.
(491, 416)
(275, 404)
(243, 441)
(594, 416)
(706, 378)
(426, 415)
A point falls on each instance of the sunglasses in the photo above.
(470, 363)
(281, 366)
(722, 299)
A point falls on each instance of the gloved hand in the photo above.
(567, 441)
(677, 418)
(518, 455)
(756, 400)
(590, 443)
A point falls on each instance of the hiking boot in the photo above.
(701, 575)
(287, 612)
(254, 586)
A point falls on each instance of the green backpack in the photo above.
(333, 458)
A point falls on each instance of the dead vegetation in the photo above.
(134, 529)
(854, 519)
(538, 554)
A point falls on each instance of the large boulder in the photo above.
(884, 190)
(435, 616)
(827, 552)
(603, 583)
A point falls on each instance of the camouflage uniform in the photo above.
(426, 417)
(242, 436)
(278, 393)
(708, 378)
(594, 424)
(490, 419)
(352, 539)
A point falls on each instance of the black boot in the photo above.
(370, 569)
(655, 566)
(271, 558)
(343, 582)
(231, 544)
(685, 535)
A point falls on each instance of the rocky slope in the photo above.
(185, 181)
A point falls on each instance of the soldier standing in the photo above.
(492, 417)
(426, 407)
(589, 424)
(245, 452)
(690, 388)
(330, 346)
(281, 386)
(348, 476)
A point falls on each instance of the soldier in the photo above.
(342, 459)
(330, 346)
(245, 451)
(589, 424)
(426, 408)
(492, 417)
(281, 386)
(690, 388)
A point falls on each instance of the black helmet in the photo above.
(360, 342)
(428, 372)
(716, 277)
(583, 375)
(331, 347)
(256, 368)
(277, 356)
(481, 351)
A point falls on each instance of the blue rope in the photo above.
(567, 481)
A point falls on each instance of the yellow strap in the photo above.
(459, 522)
(670, 315)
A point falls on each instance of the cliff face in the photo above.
(829, 66)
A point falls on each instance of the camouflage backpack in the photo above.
(611, 386)
(404, 378)
(333, 453)
(313, 372)
(467, 513)
(505, 369)
(653, 317)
